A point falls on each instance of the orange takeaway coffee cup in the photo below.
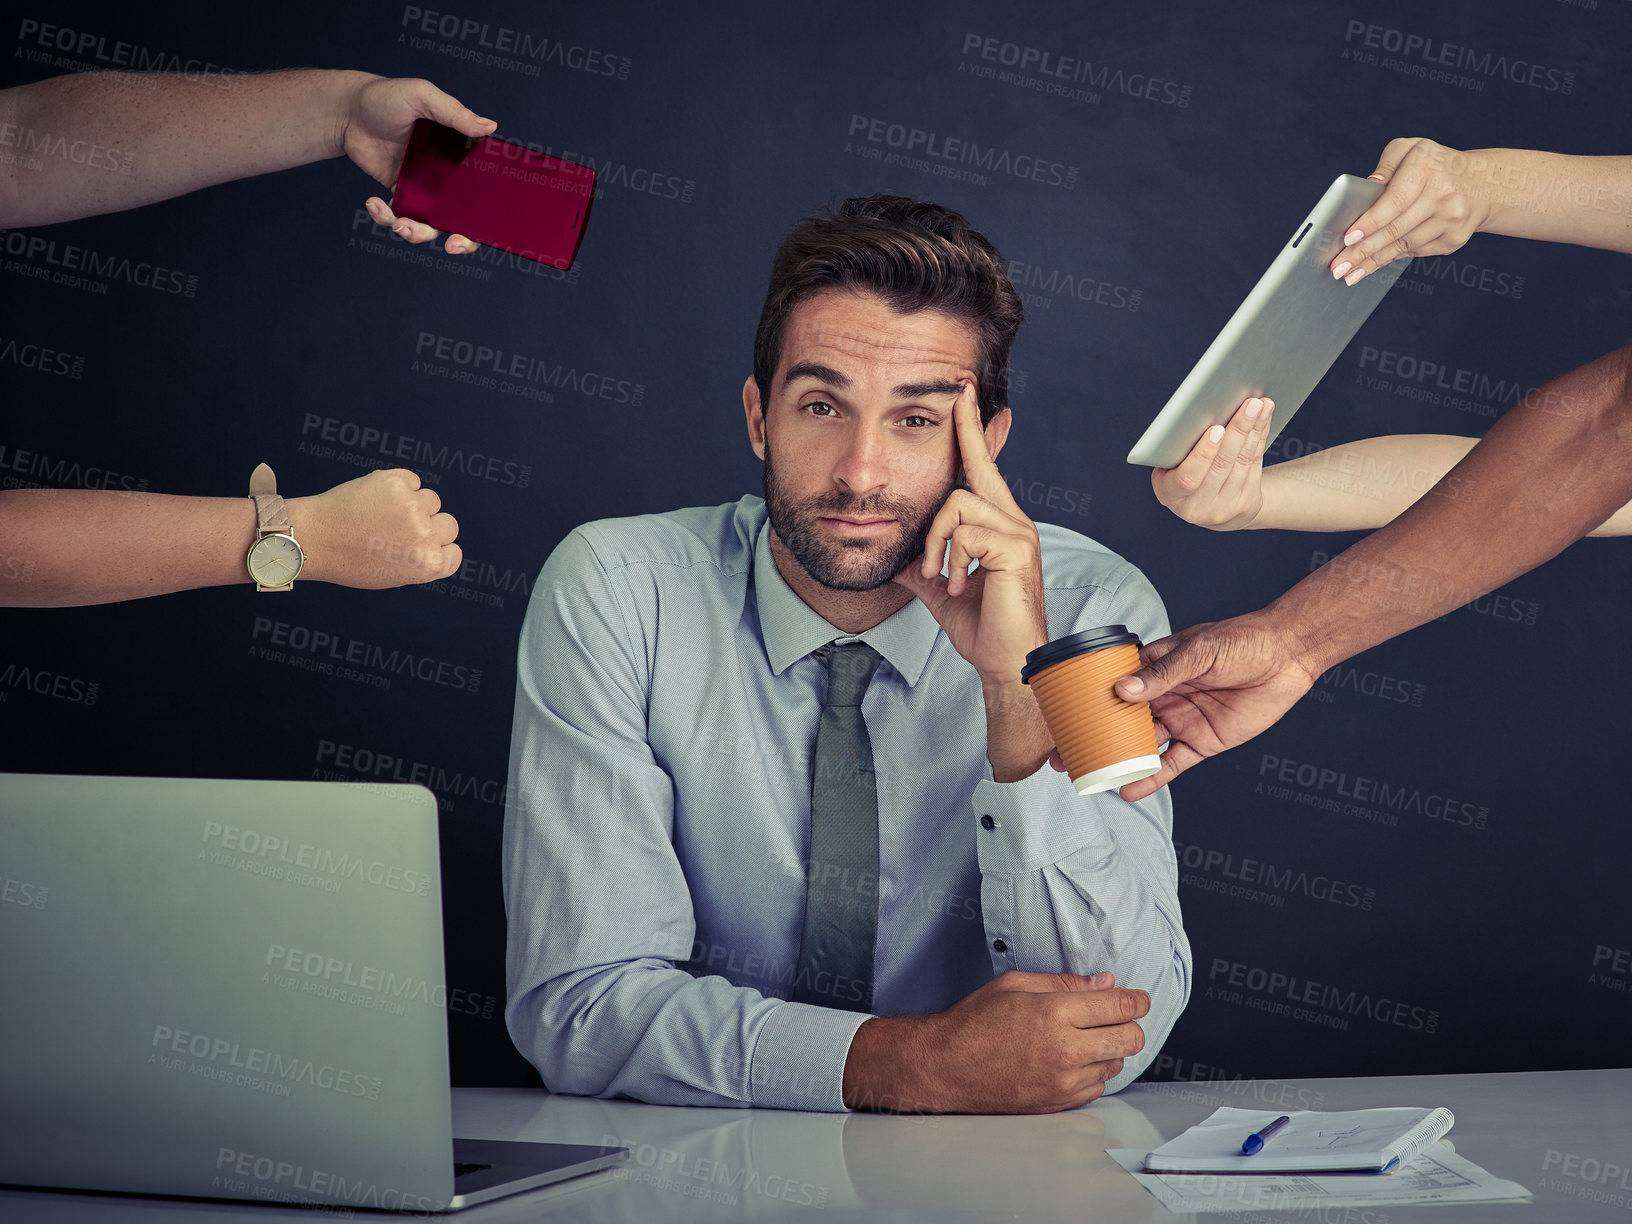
(1105, 742)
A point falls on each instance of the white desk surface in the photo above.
(1566, 1135)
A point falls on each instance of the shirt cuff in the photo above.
(798, 1061)
(1026, 825)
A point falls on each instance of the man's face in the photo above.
(858, 440)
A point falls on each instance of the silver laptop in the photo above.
(235, 990)
(1296, 321)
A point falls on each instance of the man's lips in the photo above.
(857, 527)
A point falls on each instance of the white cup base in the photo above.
(1120, 774)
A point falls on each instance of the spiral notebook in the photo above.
(1357, 1141)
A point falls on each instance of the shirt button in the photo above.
(999, 946)
(986, 822)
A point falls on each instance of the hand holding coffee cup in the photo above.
(1104, 741)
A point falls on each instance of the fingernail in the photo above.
(401, 227)
(1215, 434)
(1131, 684)
(1338, 272)
(1254, 407)
(1353, 278)
(1376, 178)
(1352, 237)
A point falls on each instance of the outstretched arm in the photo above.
(1556, 465)
(1438, 197)
(103, 142)
(1358, 486)
(63, 548)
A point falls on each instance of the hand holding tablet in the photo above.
(1283, 338)
(1219, 484)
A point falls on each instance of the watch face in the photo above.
(275, 560)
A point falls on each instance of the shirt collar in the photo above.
(791, 628)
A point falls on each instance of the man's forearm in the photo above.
(1017, 738)
(162, 135)
(886, 1067)
(1553, 468)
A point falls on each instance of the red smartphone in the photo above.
(494, 192)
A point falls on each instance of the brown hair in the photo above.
(914, 255)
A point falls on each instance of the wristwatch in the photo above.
(275, 558)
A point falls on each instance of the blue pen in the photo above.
(1255, 1142)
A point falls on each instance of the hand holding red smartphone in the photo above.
(494, 192)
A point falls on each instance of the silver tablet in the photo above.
(1285, 336)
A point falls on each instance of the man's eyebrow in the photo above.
(919, 390)
(821, 373)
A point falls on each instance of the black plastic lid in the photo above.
(1061, 649)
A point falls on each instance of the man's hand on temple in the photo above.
(374, 132)
(1022, 1043)
(1213, 687)
(380, 530)
(995, 616)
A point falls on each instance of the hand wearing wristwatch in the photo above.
(275, 558)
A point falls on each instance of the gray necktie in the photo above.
(841, 901)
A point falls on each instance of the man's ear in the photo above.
(997, 430)
(754, 411)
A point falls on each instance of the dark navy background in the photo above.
(1467, 917)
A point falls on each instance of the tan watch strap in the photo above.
(271, 516)
(270, 512)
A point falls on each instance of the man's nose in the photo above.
(863, 466)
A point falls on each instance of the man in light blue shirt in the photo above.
(673, 674)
